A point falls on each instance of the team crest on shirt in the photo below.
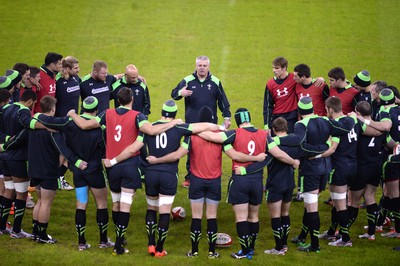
(282, 93)
(209, 87)
(137, 92)
(52, 87)
(193, 87)
(90, 84)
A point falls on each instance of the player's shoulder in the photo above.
(86, 78)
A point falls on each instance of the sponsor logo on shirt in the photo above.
(282, 93)
(72, 89)
(100, 90)
(304, 95)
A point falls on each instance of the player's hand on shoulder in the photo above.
(142, 79)
(178, 121)
(319, 82)
(71, 112)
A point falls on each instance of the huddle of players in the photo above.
(21, 91)
(358, 153)
(246, 139)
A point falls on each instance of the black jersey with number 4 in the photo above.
(346, 152)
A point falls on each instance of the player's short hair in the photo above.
(280, 125)
(364, 108)
(303, 70)
(52, 58)
(335, 103)
(69, 61)
(124, 96)
(34, 71)
(280, 62)
(337, 73)
(28, 95)
(47, 103)
(98, 65)
(21, 68)
(5, 96)
(380, 85)
(203, 58)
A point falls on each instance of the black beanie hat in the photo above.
(206, 114)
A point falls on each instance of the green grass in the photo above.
(163, 38)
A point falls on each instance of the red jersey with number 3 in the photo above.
(121, 131)
(248, 142)
(205, 158)
(284, 95)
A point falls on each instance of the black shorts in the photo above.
(49, 184)
(158, 182)
(245, 189)
(15, 168)
(204, 188)
(391, 172)
(366, 174)
(342, 176)
(124, 174)
(313, 182)
(93, 180)
(272, 196)
(1, 168)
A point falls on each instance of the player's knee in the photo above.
(338, 195)
(21, 187)
(152, 202)
(9, 184)
(115, 196)
(82, 194)
(166, 200)
(126, 197)
(310, 198)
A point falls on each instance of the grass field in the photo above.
(163, 38)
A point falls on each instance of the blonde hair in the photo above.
(67, 62)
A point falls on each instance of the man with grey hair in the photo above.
(202, 89)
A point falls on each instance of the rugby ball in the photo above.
(223, 240)
(178, 213)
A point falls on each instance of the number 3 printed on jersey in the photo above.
(117, 137)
